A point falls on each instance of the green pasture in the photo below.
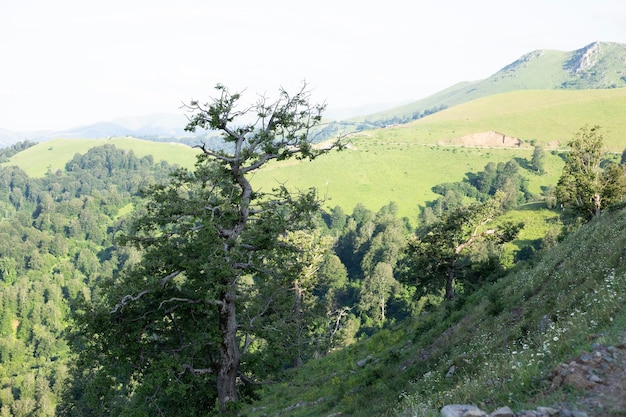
(374, 172)
(549, 117)
(54, 154)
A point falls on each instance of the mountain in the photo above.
(7, 137)
(158, 126)
(599, 65)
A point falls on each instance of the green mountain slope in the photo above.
(599, 65)
(492, 348)
(401, 163)
(550, 117)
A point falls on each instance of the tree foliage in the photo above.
(437, 254)
(54, 246)
(478, 187)
(538, 159)
(185, 317)
(585, 185)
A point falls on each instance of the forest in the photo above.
(116, 271)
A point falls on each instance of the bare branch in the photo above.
(169, 277)
(194, 371)
(128, 299)
(183, 300)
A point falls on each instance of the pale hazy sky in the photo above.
(65, 63)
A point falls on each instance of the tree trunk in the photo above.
(229, 353)
(450, 281)
(597, 199)
(298, 295)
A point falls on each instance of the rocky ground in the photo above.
(604, 391)
(598, 379)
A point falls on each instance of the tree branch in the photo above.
(194, 371)
(127, 299)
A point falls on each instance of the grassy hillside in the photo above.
(599, 65)
(549, 117)
(502, 340)
(393, 163)
(403, 162)
(54, 154)
(376, 170)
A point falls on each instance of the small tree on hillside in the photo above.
(434, 257)
(210, 242)
(584, 185)
(538, 159)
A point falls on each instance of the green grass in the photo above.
(503, 340)
(549, 117)
(54, 154)
(378, 170)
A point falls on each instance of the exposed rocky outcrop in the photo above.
(584, 58)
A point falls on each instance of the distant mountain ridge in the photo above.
(157, 127)
(599, 65)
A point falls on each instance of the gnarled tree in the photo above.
(173, 325)
(433, 257)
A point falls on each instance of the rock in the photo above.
(528, 413)
(547, 411)
(364, 361)
(503, 412)
(474, 412)
(450, 371)
(461, 410)
(596, 379)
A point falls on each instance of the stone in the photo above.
(364, 361)
(461, 410)
(474, 412)
(596, 379)
(503, 412)
(547, 411)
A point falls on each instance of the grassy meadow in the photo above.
(375, 173)
(549, 117)
(402, 163)
(54, 154)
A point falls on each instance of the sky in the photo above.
(67, 63)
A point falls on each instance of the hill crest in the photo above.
(599, 65)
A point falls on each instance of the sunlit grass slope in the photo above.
(371, 172)
(503, 341)
(376, 172)
(549, 117)
(54, 154)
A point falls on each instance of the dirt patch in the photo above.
(486, 140)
